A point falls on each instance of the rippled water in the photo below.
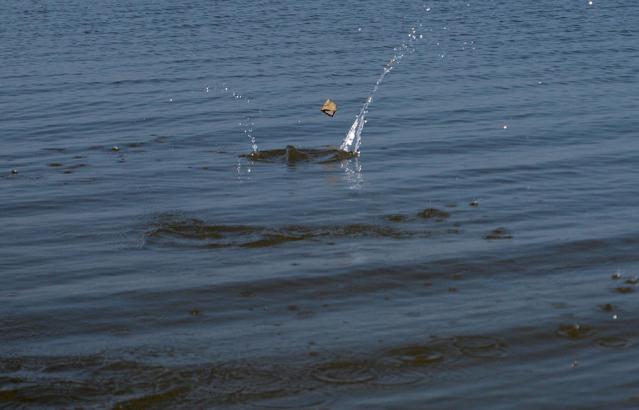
(479, 252)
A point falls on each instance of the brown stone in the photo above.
(329, 108)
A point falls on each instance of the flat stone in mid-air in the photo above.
(329, 108)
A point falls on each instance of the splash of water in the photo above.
(353, 175)
(353, 139)
(248, 123)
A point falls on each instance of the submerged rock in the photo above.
(607, 307)
(396, 218)
(499, 233)
(575, 331)
(292, 154)
(625, 289)
(433, 213)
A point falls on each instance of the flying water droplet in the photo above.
(353, 139)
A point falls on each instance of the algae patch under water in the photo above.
(173, 230)
(254, 236)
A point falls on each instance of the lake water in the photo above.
(480, 252)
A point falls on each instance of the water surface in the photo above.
(468, 257)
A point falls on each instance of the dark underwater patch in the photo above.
(174, 230)
(499, 233)
(292, 154)
(434, 213)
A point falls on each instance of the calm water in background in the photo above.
(175, 273)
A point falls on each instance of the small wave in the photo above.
(345, 372)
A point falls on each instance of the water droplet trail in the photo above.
(353, 139)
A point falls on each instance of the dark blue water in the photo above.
(480, 252)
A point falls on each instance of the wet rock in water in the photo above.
(632, 281)
(55, 165)
(474, 203)
(115, 148)
(292, 154)
(244, 236)
(273, 154)
(272, 240)
(616, 276)
(575, 331)
(607, 307)
(396, 218)
(625, 289)
(433, 213)
(196, 229)
(14, 172)
(499, 233)
(195, 312)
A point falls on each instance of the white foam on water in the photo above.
(353, 139)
